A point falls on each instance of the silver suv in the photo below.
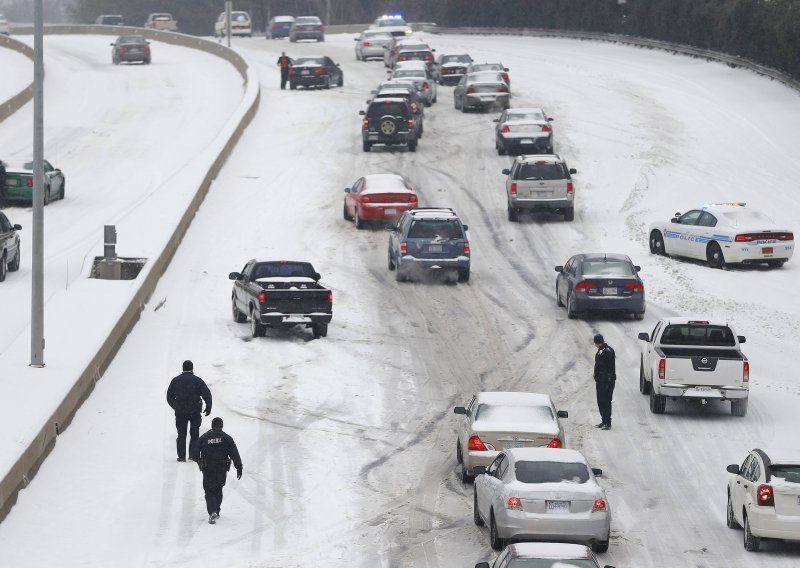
(540, 183)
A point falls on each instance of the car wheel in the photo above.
(657, 243)
(46, 194)
(13, 266)
(358, 220)
(340, 82)
(399, 276)
(571, 313)
(292, 86)
(459, 457)
(390, 264)
(256, 329)
(751, 543)
(776, 263)
(435, 98)
(714, 256)
(463, 274)
(366, 146)
(658, 403)
(730, 519)
(147, 61)
(344, 212)
(569, 213)
(513, 214)
(455, 103)
(412, 146)
(559, 303)
(638, 315)
(238, 316)
(63, 189)
(476, 516)
(600, 546)
(327, 84)
(739, 406)
(494, 538)
(644, 384)
(3, 268)
(319, 330)
(500, 150)
(462, 107)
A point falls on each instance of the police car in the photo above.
(723, 233)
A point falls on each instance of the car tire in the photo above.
(658, 403)
(513, 213)
(358, 220)
(571, 313)
(476, 516)
(494, 538)
(344, 212)
(256, 329)
(500, 150)
(435, 98)
(455, 103)
(569, 213)
(63, 189)
(638, 316)
(3, 268)
(292, 86)
(366, 146)
(739, 406)
(387, 125)
(327, 84)
(463, 274)
(559, 303)
(46, 194)
(600, 547)
(657, 244)
(412, 146)
(13, 266)
(714, 256)
(751, 542)
(730, 519)
(775, 263)
(399, 276)
(390, 262)
(238, 316)
(319, 330)
(340, 82)
(462, 107)
(644, 384)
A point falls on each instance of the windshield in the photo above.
(409, 73)
(551, 472)
(694, 334)
(552, 563)
(435, 229)
(527, 115)
(541, 171)
(513, 413)
(619, 268)
(132, 39)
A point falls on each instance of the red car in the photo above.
(378, 198)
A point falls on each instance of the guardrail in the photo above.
(40, 445)
(12, 105)
(730, 60)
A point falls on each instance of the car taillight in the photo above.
(425, 85)
(365, 123)
(634, 287)
(466, 249)
(514, 188)
(585, 286)
(120, 50)
(514, 503)
(746, 372)
(502, 89)
(29, 182)
(662, 369)
(292, 72)
(412, 198)
(322, 28)
(365, 199)
(505, 129)
(599, 505)
(546, 128)
(402, 58)
(555, 443)
(410, 121)
(403, 248)
(570, 187)
(429, 57)
(470, 90)
(504, 76)
(366, 44)
(262, 297)
(330, 297)
(476, 444)
(748, 237)
(319, 71)
(297, 28)
(414, 107)
(147, 49)
(764, 496)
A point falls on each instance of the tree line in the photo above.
(762, 30)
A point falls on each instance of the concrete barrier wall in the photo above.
(32, 457)
(12, 105)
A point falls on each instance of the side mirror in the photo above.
(112, 44)
(337, 65)
(17, 227)
(741, 338)
(733, 468)
(644, 336)
(608, 566)
(559, 268)
(316, 276)
(355, 39)
(496, 120)
(459, 410)
(391, 227)
(347, 190)
(506, 171)
(572, 171)
(362, 113)
(478, 470)
(234, 276)
(562, 414)
(550, 119)
(637, 268)
(482, 565)
(147, 43)
(674, 220)
(597, 472)
(368, 101)
(374, 92)
(466, 227)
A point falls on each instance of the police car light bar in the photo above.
(727, 203)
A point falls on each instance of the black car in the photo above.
(600, 282)
(9, 246)
(390, 122)
(307, 27)
(315, 72)
(130, 48)
(450, 68)
(110, 20)
(410, 94)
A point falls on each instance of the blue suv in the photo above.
(429, 239)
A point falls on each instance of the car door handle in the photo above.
(738, 483)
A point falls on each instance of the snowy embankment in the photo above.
(16, 73)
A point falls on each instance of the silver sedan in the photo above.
(417, 71)
(542, 494)
(482, 90)
(371, 44)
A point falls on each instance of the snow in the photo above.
(17, 74)
(348, 441)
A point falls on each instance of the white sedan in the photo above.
(542, 494)
(723, 233)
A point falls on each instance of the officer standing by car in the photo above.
(217, 449)
(2, 175)
(285, 62)
(185, 395)
(605, 377)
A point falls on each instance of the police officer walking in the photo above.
(217, 450)
(605, 376)
(284, 63)
(184, 396)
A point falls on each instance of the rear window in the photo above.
(456, 59)
(551, 472)
(693, 334)
(525, 116)
(487, 67)
(552, 563)
(608, 268)
(307, 20)
(283, 269)
(132, 39)
(435, 229)
(508, 413)
(409, 73)
(790, 473)
(388, 107)
(240, 17)
(542, 171)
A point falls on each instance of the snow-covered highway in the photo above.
(348, 441)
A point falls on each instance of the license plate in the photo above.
(11, 182)
(390, 211)
(488, 97)
(434, 248)
(526, 141)
(703, 389)
(135, 49)
(558, 506)
(510, 445)
(304, 72)
(609, 291)
(766, 250)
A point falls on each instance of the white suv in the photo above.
(764, 497)
(241, 25)
(4, 27)
(540, 183)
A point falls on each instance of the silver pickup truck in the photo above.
(694, 359)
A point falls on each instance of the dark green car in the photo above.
(18, 184)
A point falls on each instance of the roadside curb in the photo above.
(12, 105)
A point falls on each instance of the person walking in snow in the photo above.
(216, 451)
(285, 62)
(185, 395)
(605, 377)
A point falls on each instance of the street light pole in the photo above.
(228, 10)
(37, 272)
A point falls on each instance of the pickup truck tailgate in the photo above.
(300, 302)
(704, 367)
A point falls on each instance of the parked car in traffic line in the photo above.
(600, 282)
(498, 67)
(370, 44)
(161, 21)
(483, 90)
(130, 49)
(10, 247)
(279, 26)
(319, 71)
(410, 94)
(540, 183)
(764, 497)
(523, 130)
(240, 24)
(544, 555)
(542, 494)
(378, 198)
(19, 182)
(449, 69)
(307, 27)
(418, 71)
(392, 24)
(389, 122)
(110, 20)
(5, 29)
(495, 421)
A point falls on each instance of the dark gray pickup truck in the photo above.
(280, 293)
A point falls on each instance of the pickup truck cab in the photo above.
(694, 359)
(281, 293)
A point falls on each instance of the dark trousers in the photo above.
(284, 76)
(190, 420)
(605, 392)
(213, 482)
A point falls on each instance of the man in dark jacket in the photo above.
(217, 450)
(2, 175)
(184, 396)
(605, 376)
(284, 63)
